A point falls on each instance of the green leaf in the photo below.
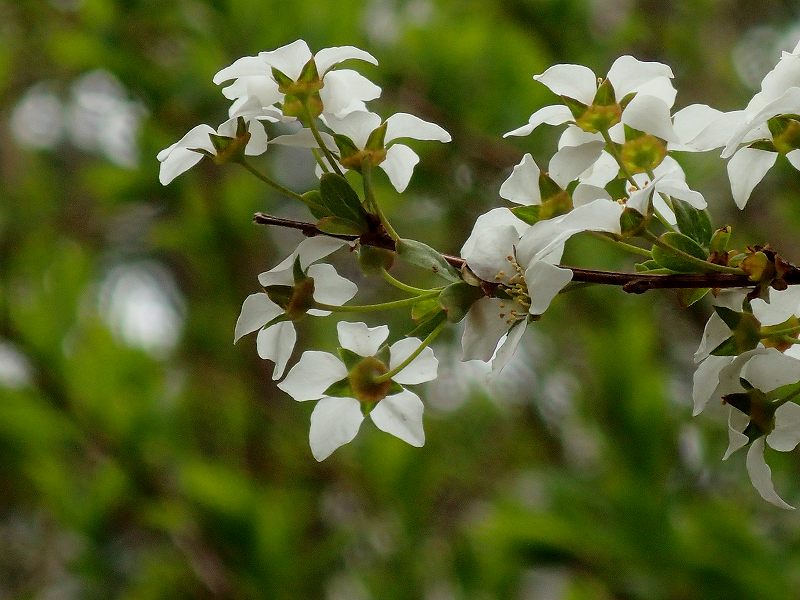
(313, 200)
(424, 309)
(457, 298)
(681, 242)
(341, 200)
(428, 324)
(693, 222)
(689, 296)
(340, 226)
(424, 256)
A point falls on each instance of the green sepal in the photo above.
(297, 271)
(349, 358)
(457, 298)
(605, 95)
(626, 100)
(424, 308)
(309, 74)
(394, 388)
(719, 240)
(676, 263)
(280, 294)
(341, 200)
(313, 200)
(693, 222)
(688, 296)
(340, 389)
(745, 330)
(553, 205)
(788, 136)
(730, 317)
(340, 226)
(372, 259)
(632, 222)
(576, 107)
(375, 141)
(426, 257)
(427, 325)
(345, 145)
(765, 145)
(230, 149)
(641, 152)
(282, 79)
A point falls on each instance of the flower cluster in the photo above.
(614, 176)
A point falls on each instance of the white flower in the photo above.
(183, 155)
(346, 392)
(782, 305)
(397, 160)
(753, 414)
(276, 335)
(522, 261)
(648, 111)
(344, 90)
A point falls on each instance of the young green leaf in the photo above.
(426, 257)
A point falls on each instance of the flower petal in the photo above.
(310, 250)
(404, 125)
(330, 287)
(357, 337)
(494, 218)
(399, 165)
(782, 305)
(422, 368)
(651, 115)
(737, 422)
(508, 348)
(771, 370)
(544, 282)
(522, 186)
(745, 169)
(346, 91)
(571, 161)
(356, 125)
(257, 311)
(488, 257)
(401, 415)
(786, 435)
(289, 59)
(761, 475)
(314, 373)
(486, 322)
(705, 381)
(247, 66)
(556, 114)
(628, 73)
(180, 156)
(572, 81)
(334, 423)
(328, 57)
(276, 343)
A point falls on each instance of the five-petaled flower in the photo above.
(353, 386)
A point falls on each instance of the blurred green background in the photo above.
(142, 455)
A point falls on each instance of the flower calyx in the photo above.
(302, 97)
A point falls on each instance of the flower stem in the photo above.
(404, 286)
(312, 125)
(424, 344)
(372, 203)
(376, 307)
(273, 184)
(705, 265)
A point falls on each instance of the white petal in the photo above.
(276, 343)
(628, 73)
(494, 218)
(761, 475)
(544, 282)
(489, 255)
(507, 348)
(572, 81)
(399, 165)
(556, 114)
(257, 311)
(787, 103)
(422, 368)
(327, 57)
(401, 415)
(257, 144)
(705, 381)
(584, 194)
(334, 423)
(745, 169)
(289, 59)
(303, 138)
(714, 333)
(483, 327)
(782, 305)
(771, 370)
(310, 250)
(639, 200)
(794, 158)
(346, 91)
(571, 161)
(522, 186)
(651, 115)
(786, 435)
(737, 422)
(180, 156)
(363, 340)
(247, 66)
(314, 373)
(330, 287)
(700, 127)
(678, 189)
(404, 125)
(604, 170)
(276, 277)
(357, 126)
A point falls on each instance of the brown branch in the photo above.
(634, 283)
